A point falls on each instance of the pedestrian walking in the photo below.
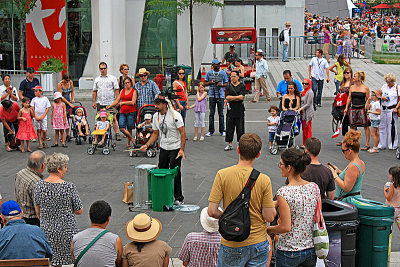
(316, 70)
(260, 81)
(307, 110)
(286, 40)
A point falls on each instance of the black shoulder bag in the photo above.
(234, 223)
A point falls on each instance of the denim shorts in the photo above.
(375, 123)
(127, 120)
(271, 136)
(253, 255)
(304, 258)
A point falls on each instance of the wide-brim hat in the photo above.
(288, 24)
(208, 223)
(143, 228)
(57, 95)
(142, 71)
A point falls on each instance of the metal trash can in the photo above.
(341, 220)
(374, 231)
(142, 186)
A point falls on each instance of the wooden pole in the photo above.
(162, 60)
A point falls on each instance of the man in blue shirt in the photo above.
(27, 85)
(282, 86)
(19, 240)
(260, 81)
(217, 80)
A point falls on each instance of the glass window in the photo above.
(156, 31)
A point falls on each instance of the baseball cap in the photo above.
(232, 45)
(10, 208)
(148, 116)
(103, 114)
(38, 87)
(30, 70)
(215, 61)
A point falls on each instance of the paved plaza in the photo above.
(102, 177)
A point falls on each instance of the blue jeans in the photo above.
(337, 84)
(317, 86)
(285, 52)
(212, 103)
(127, 120)
(304, 258)
(253, 255)
(183, 111)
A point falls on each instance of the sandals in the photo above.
(365, 148)
(55, 145)
(118, 137)
(373, 150)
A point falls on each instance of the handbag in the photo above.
(320, 234)
(127, 196)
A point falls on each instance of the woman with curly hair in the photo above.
(291, 100)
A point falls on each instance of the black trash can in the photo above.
(341, 220)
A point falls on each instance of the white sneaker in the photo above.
(228, 147)
(195, 138)
(201, 138)
(223, 134)
(209, 134)
(178, 203)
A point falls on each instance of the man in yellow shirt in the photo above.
(228, 183)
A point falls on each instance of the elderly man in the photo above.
(105, 91)
(27, 85)
(147, 90)
(25, 181)
(19, 240)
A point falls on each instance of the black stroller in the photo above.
(74, 132)
(288, 128)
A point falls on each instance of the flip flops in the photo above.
(365, 148)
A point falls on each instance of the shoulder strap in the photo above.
(252, 179)
(89, 246)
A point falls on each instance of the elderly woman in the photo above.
(9, 117)
(56, 203)
(349, 180)
(390, 108)
(307, 110)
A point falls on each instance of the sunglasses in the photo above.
(125, 69)
(127, 83)
(390, 82)
(180, 73)
(103, 68)
(305, 83)
(344, 150)
(347, 72)
(142, 75)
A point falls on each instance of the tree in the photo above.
(23, 8)
(164, 7)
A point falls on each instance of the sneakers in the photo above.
(228, 147)
(201, 138)
(45, 145)
(209, 134)
(223, 134)
(195, 138)
(178, 202)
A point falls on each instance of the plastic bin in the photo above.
(142, 186)
(341, 220)
(374, 232)
(162, 187)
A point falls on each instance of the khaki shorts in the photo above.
(40, 125)
(113, 110)
(325, 48)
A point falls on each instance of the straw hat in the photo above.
(288, 24)
(143, 228)
(209, 224)
(142, 71)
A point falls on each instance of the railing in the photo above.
(48, 79)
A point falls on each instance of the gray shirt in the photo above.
(102, 253)
(307, 103)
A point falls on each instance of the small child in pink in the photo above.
(26, 132)
(392, 193)
(59, 119)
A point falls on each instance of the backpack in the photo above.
(281, 36)
(234, 223)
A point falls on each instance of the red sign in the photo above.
(233, 35)
(46, 34)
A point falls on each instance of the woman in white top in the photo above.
(389, 113)
(7, 91)
(297, 203)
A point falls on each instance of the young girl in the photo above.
(103, 124)
(26, 130)
(200, 111)
(272, 123)
(374, 112)
(80, 121)
(59, 119)
(392, 192)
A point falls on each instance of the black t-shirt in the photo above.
(236, 107)
(27, 86)
(233, 56)
(320, 175)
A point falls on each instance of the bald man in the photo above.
(25, 181)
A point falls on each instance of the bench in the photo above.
(26, 262)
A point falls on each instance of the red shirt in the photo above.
(180, 91)
(125, 98)
(13, 115)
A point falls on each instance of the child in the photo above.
(103, 124)
(147, 128)
(374, 112)
(339, 50)
(80, 121)
(26, 130)
(272, 123)
(200, 111)
(392, 192)
(59, 119)
(41, 106)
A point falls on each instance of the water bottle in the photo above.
(387, 186)
(228, 106)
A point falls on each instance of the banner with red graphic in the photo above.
(46, 32)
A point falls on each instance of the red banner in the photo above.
(46, 32)
(233, 35)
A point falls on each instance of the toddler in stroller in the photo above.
(288, 128)
(145, 129)
(80, 121)
(103, 130)
(103, 124)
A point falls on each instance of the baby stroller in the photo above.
(152, 149)
(288, 128)
(74, 132)
(338, 106)
(108, 138)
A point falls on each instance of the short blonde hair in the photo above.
(390, 77)
(56, 161)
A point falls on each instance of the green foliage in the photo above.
(168, 7)
(52, 64)
(24, 7)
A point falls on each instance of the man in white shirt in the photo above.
(316, 69)
(105, 91)
(168, 124)
(389, 111)
(286, 41)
